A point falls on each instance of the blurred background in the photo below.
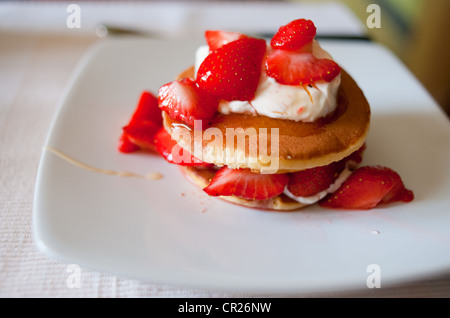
(415, 30)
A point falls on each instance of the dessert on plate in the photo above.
(272, 124)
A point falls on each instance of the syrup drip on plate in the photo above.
(150, 176)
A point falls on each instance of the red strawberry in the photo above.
(366, 188)
(398, 193)
(184, 100)
(142, 134)
(309, 182)
(312, 181)
(293, 68)
(126, 145)
(232, 72)
(246, 184)
(146, 111)
(173, 153)
(294, 35)
(217, 39)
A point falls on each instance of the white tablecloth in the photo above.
(37, 55)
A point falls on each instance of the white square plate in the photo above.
(168, 231)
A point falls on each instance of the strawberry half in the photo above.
(309, 182)
(246, 184)
(293, 68)
(184, 100)
(368, 187)
(173, 153)
(232, 72)
(147, 111)
(217, 38)
(294, 36)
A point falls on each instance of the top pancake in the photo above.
(300, 145)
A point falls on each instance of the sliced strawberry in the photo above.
(217, 38)
(173, 153)
(246, 184)
(232, 72)
(398, 193)
(367, 187)
(142, 134)
(294, 35)
(147, 110)
(293, 68)
(126, 145)
(309, 182)
(184, 100)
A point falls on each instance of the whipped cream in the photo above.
(275, 100)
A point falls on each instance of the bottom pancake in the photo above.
(202, 176)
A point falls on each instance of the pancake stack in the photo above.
(273, 125)
(302, 145)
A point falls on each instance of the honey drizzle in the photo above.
(150, 176)
(309, 94)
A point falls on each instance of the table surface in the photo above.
(34, 69)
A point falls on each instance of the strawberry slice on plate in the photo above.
(173, 153)
(144, 122)
(184, 100)
(147, 109)
(398, 192)
(142, 134)
(126, 145)
(299, 68)
(294, 36)
(366, 188)
(246, 184)
(232, 72)
(218, 38)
